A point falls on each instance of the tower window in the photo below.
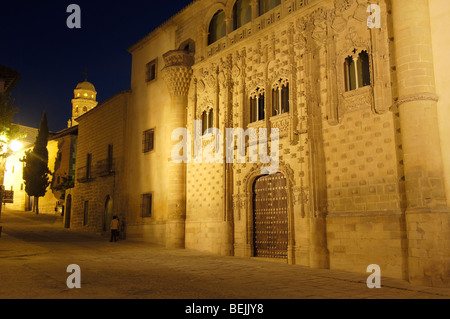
(357, 71)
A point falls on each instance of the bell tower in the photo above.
(85, 99)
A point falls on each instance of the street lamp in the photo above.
(15, 146)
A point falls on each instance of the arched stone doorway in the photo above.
(108, 213)
(68, 211)
(270, 216)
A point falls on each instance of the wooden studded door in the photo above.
(270, 221)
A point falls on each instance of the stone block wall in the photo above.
(103, 125)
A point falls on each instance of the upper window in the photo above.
(207, 120)
(148, 140)
(150, 72)
(267, 5)
(357, 71)
(257, 104)
(242, 13)
(217, 27)
(280, 97)
(146, 205)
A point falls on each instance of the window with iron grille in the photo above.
(150, 74)
(146, 205)
(148, 139)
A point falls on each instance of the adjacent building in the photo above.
(64, 146)
(13, 171)
(100, 160)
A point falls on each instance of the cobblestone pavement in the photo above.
(35, 251)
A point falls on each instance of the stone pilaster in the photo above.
(177, 73)
(427, 217)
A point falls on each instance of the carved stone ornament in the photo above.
(255, 171)
(357, 99)
(178, 72)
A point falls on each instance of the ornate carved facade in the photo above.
(328, 83)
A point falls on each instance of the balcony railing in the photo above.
(105, 167)
(7, 196)
(84, 174)
(101, 169)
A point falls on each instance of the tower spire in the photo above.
(85, 74)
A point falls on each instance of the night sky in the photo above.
(51, 58)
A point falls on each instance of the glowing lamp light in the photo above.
(15, 146)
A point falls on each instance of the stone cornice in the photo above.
(417, 97)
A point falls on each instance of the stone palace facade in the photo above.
(363, 149)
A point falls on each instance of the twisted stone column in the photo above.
(427, 217)
(177, 73)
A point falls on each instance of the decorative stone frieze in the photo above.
(177, 71)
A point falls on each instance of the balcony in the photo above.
(105, 168)
(84, 174)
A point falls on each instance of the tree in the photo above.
(35, 171)
(8, 131)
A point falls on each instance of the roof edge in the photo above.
(153, 33)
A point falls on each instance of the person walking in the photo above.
(114, 228)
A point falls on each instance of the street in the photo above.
(35, 251)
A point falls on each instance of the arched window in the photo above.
(266, 5)
(217, 27)
(280, 97)
(242, 13)
(357, 71)
(257, 104)
(207, 120)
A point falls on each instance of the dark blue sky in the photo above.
(51, 58)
